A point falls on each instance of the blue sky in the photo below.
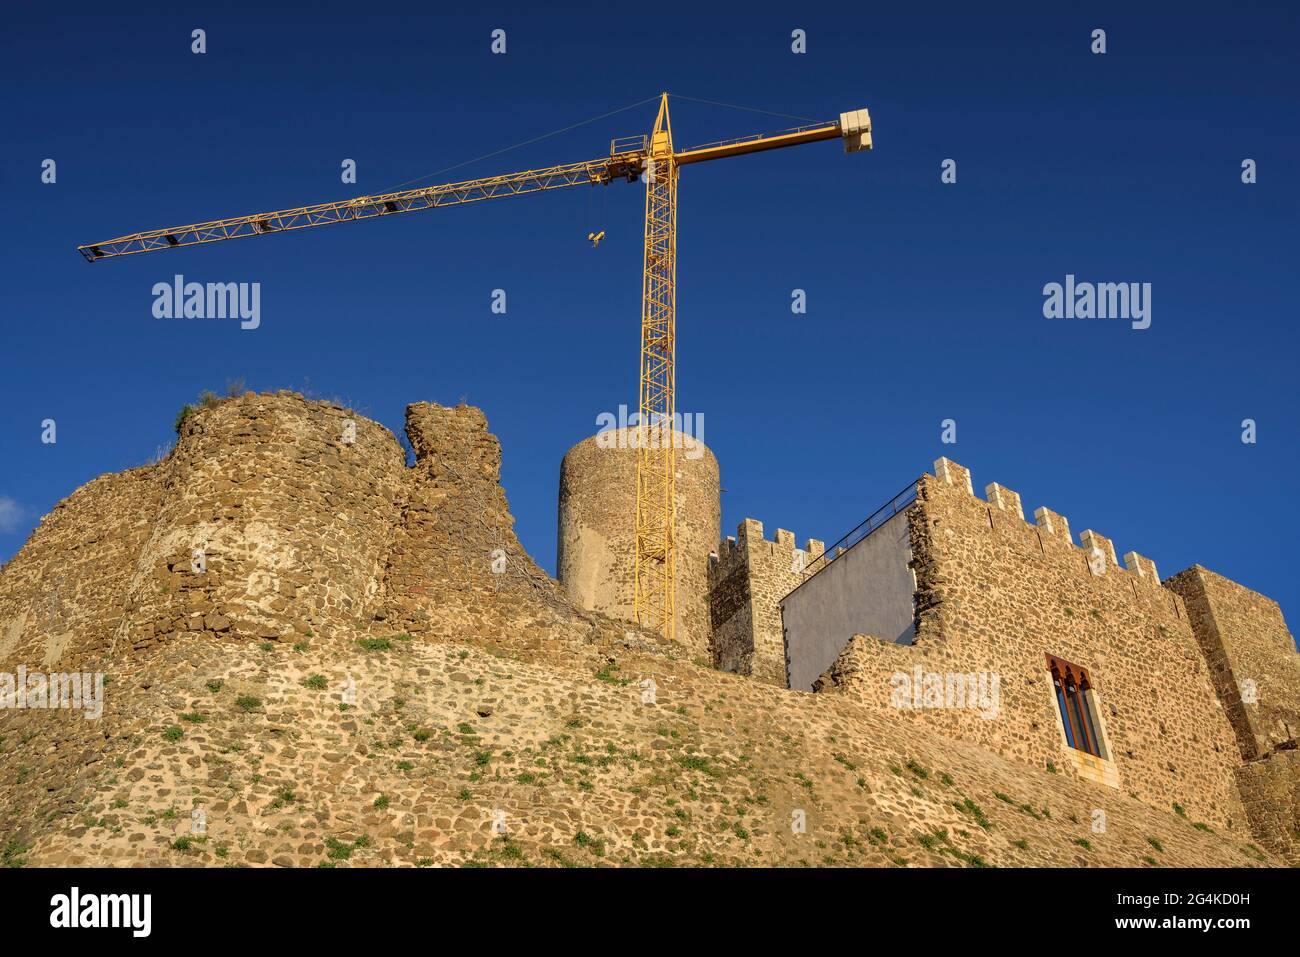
(924, 299)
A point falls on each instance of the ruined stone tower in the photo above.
(594, 558)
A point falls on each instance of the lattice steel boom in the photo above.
(655, 598)
(654, 161)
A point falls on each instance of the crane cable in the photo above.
(535, 139)
(750, 109)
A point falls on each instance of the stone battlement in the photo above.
(997, 595)
(748, 576)
(749, 533)
(1099, 551)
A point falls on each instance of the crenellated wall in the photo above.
(995, 595)
(748, 576)
(1189, 679)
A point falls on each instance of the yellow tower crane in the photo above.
(651, 159)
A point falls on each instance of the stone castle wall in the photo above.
(1256, 671)
(1252, 658)
(996, 594)
(292, 521)
(308, 530)
(1270, 790)
(456, 567)
(67, 589)
(748, 577)
(308, 538)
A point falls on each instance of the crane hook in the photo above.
(595, 238)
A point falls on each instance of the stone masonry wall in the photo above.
(584, 770)
(293, 516)
(1256, 671)
(307, 529)
(292, 521)
(311, 535)
(995, 595)
(1252, 658)
(1270, 790)
(747, 580)
(65, 591)
(456, 567)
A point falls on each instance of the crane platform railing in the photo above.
(639, 143)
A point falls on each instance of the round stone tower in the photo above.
(595, 556)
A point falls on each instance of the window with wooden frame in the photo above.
(1072, 686)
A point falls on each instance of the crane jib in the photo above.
(368, 207)
(622, 164)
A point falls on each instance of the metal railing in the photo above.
(859, 532)
(627, 144)
(750, 137)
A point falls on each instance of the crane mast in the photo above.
(653, 160)
(655, 597)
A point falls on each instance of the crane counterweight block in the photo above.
(855, 128)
